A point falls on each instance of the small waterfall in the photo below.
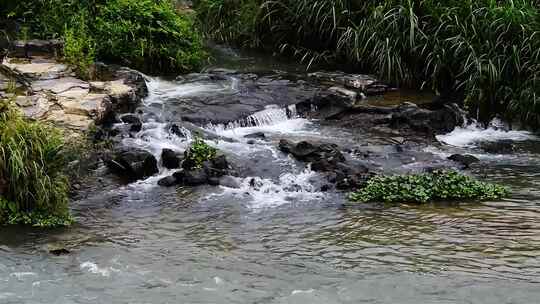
(270, 116)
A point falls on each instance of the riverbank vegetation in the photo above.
(33, 188)
(427, 187)
(145, 34)
(485, 54)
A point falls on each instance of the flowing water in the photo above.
(278, 238)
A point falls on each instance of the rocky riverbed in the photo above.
(273, 224)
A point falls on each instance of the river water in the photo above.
(278, 238)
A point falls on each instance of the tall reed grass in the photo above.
(484, 50)
(33, 189)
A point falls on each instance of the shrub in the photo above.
(198, 153)
(146, 34)
(423, 188)
(79, 48)
(33, 189)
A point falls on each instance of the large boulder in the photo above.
(132, 164)
(170, 159)
(194, 177)
(439, 121)
(324, 157)
(327, 104)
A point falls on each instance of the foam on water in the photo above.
(263, 193)
(472, 134)
(95, 269)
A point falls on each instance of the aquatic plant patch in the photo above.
(427, 187)
(198, 153)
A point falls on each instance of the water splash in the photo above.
(263, 193)
(474, 133)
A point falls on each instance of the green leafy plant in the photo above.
(145, 34)
(428, 187)
(198, 153)
(80, 48)
(33, 188)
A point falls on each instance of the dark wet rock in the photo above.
(132, 164)
(353, 81)
(229, 105)
(181, 129)
(324, 156)
(251, 142)
(213, 181)
(326, 188)
(170, 159)
(326, 104)
(352, 181)
(465, 160)
(443, 120)
(33, 48)
(505, 146)
(59, 251)
(168, 181)
(130, 119)
(195, 177)
(256, 135)
(220, 162)
(135, 128)
(229, 182)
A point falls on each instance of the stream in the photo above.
(278, 237)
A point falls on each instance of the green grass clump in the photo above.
(486, 51)
(428, 187)
(145, 34)
(198, 153)
(33, 188)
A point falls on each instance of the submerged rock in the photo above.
(256, 135)
(168, 181)
(465, 160)
(229, 182)
(504, 146)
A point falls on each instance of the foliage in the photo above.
(32, 185)
(198, 153)
(80, 49)
(146, 34)
(423, 188)
(231, 20)
(487, 51)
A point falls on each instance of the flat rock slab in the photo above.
(60, 85)
(55, 95)
(38, 68)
